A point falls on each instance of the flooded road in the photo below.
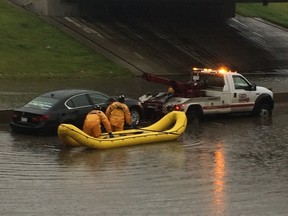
(220, 166)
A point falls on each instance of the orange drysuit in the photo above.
(118, 113)
(92, 123)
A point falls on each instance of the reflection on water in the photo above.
(219, 180)
(220, 166)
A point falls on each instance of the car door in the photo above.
(243, 96)
(78, 106)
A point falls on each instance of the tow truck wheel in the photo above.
(194, 113)
(264, 110)
(192, 116)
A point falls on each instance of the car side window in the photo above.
(240, 83)
(78, 101)
(98, 98)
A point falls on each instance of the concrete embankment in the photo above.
(6, 115)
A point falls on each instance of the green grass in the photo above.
(274, 12)
(31, 48)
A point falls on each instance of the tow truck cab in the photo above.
(226, 92)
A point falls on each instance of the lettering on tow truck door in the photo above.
(243, 98)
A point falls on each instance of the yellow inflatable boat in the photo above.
(170, 127)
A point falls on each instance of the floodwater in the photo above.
(220, 166)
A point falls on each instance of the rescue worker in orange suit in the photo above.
(118, 113)
(93, 121)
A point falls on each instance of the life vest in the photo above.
(92, 123)
(118, 113)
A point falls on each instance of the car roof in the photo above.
(66, 93)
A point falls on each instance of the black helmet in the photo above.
(97, 107)
(121, 98)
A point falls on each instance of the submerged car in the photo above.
(46, 112)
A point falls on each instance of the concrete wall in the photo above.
(61, 8)
(50, 7)
(91, 7)
(38, 6)
(76, 7)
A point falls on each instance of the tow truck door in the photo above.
(243, 94)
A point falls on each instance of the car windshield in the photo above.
(44, 103)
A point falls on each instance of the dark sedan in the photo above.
(43, 114)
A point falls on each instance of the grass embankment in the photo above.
(31, 48)
(274, 12)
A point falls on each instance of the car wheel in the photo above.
(135, 116)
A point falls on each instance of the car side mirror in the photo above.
(253, 87)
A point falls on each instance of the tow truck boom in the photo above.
(190, 89)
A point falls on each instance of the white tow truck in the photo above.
(208, 92)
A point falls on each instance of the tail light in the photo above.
(40, 118)
(15, 116)
(179, 107)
